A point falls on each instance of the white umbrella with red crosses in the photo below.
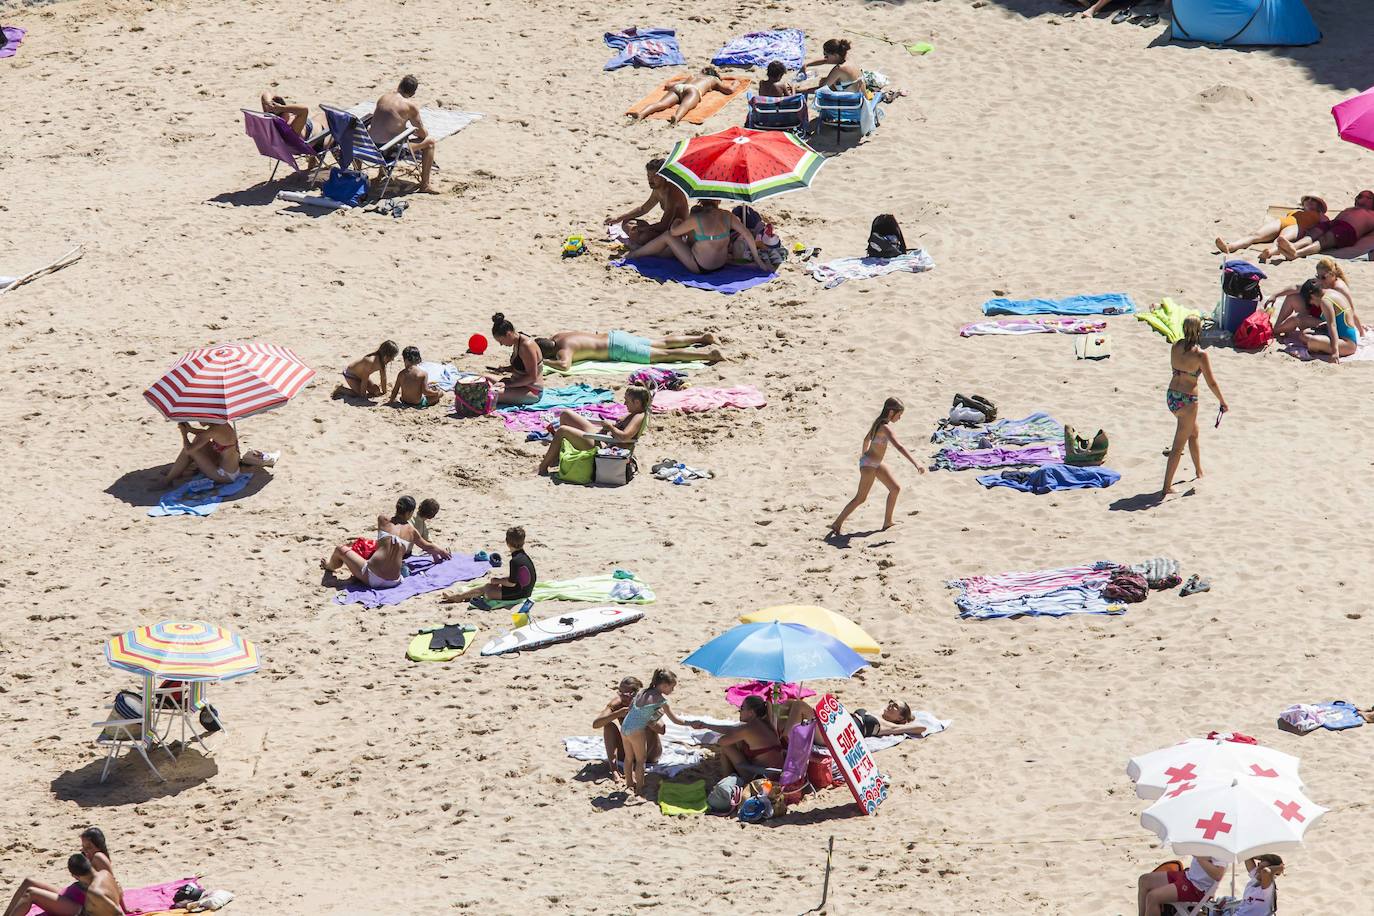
(1158, 772)
(1232, 819)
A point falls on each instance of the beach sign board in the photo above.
(851, 754)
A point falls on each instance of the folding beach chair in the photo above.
(786, 113)
(793, 774)
(128, 727)
(276, 140)
(353, 143)
(847, 111)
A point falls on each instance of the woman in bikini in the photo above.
(752, 746)
(575, 428)
(844, 75)
(357, 378)
(395, 536)
(71, 899)
(701, 241)
(1310, 216)
(212, 449)
(687, 94)
(1189, 362)
(524, 383)
(871, 468)
(1298, 312)
(568, 347)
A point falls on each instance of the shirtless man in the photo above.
(390, 117)
(609, 723)
(298, 116)
(662, 194)
(1345, 230)
(93, 894)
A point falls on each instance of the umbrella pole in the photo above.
(825, 884)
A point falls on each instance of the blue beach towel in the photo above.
(730, 279)
(644, 48)
(561, 398)
(1051, 477)
(1339, 715)
(199, 496)
(1098, 304)
(759, 49)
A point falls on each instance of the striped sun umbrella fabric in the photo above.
(741, 164)
(183, 650)
(228, 382)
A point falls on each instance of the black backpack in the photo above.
(885, 238)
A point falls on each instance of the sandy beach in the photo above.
(1034, 156)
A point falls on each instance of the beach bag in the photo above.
(127, 705)
(726, 795)
(1231, 312)
(1092, 346)
(209, 719)
(1241, 280)
(576, 465)
(1079, 452)
(473, 396)
(885, 239)
(656, 378)
(1254, 332)
(1126, 586)
(346, 187)
(615, 467)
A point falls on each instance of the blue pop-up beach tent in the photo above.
(1244, 22)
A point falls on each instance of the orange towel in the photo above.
(711, 103)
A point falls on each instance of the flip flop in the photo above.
(1122, 16)
(1148, 21)
(1195, 585)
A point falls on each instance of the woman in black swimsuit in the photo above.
(525, 382)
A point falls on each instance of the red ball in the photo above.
(477, 344)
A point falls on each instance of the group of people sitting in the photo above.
(1171, 883)
(631, 725)
(395, 110)
(93, 891)
(1307, 230)
(412, 387)
(1320, 314)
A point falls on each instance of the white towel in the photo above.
(918, 717)
(440, 122)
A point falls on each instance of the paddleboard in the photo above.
(419, 650)
(551, 630)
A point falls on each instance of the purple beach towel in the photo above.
(13, 35)
(528, 421)
(424, 576)
(730, 279)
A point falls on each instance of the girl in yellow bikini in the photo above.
(1189, 362)
(1295, 224)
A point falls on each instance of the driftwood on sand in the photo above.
(70, 257)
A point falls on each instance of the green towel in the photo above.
(585, 588)
(1167, 318)
(919, 47)
(682, 797)
(607, 367)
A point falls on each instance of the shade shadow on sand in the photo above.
(143, 488)
(131, 782)
(836, 812)
(1144, 501)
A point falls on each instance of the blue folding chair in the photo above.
(774, 113)
(353, 143)
(847, 111)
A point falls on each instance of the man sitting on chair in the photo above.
(393, 111)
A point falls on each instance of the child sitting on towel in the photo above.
(424, 515)
(516, 585)
(412, 383)
(358, 375)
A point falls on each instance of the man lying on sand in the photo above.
(1353, 224)
(568, 347)
(390, 117)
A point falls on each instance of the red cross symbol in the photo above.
(1260, 771)
(1213, 825)
(1290, 810)
(1176, 774)
(1181, 789)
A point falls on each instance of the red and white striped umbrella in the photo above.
(228, 382)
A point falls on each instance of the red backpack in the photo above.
(1254, 332)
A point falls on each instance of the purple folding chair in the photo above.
(794, 765)
(276, 140)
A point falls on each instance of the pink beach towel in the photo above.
(696, 400)
(738, 692)
(12, 36)
(151, 899)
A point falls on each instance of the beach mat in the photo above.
(1364, 353)
(710, 103)
(424, 576)
(611, 367)
(155, 898)
(728, 280)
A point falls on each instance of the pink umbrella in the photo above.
(1355, 119)
(772, 692)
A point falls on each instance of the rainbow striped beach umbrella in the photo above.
(178, 650)
(741, 164)
(228, 382)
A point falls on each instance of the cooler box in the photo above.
(1232, 311)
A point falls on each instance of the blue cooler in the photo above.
(1233, 311)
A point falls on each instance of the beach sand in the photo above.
(1034, 156)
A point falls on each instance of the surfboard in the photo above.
(552, 630)
(419, 650)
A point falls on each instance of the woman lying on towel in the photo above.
(701, 241)
(687, 94)
(1294, 225)
(525, 374)
(895, 719)
(384, 567)
(574, 428)
(568, 347)
(212, 449)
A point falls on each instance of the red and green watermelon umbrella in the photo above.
(740, 164)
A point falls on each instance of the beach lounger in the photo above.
(276, 140)
(846, 111)
(787, 113)
(353, 143)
